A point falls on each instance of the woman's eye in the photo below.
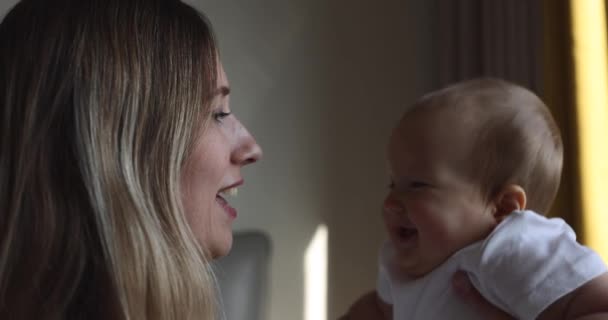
(391, 185)
(220, 115)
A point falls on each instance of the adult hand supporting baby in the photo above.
(365, 307)
(465, 290)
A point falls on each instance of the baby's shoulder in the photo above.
(525, 232)
(529, 261)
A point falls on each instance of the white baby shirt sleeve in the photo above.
(529, 262)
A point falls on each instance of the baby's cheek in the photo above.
(433, 219)
(421, 205)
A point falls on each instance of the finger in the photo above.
(463, 287)
(365, 308)
(366, 304)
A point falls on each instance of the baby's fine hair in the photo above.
(515, 138)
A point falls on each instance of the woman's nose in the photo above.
(248, 151)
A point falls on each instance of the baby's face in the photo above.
(432, 208)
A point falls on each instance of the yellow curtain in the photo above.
(576, 88)
(591, 90)
(558, 93)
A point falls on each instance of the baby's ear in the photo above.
(510, 198)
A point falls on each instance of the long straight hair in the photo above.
(100, 101)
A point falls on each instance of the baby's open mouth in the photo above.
(406, 232)
(405, 237)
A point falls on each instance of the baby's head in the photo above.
(461, 159)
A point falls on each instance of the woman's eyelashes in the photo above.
(220, 115)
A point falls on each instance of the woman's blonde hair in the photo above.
(100, 102)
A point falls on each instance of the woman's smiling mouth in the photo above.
(230, 191)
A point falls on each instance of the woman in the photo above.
(117, 145)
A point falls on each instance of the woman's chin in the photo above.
(221, 247)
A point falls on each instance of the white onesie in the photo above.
(524, 265)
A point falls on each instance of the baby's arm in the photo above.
(588, 302)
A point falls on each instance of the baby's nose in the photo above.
(393, 206)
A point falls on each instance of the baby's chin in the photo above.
(408, 269)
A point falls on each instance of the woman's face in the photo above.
(213, 172)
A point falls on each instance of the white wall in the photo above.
(320, 83)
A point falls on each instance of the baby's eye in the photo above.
(417, 185)
(391, 185)
(220, 115)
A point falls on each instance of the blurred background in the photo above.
(321, 83)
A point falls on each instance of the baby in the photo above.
(472, 168)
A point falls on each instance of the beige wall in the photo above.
(320, 83)
(5, 5)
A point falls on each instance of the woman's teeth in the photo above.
(232, 192)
